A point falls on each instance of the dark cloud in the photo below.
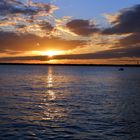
(20, 26)
(127, 22)
(14, 2)
(82, 27)
(9, 7)
(133, 39)
(24, 58)
(10, 52)
(107, 54)
(17, 42)
(28, 42)
(46, 26)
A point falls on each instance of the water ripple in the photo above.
(69, 103)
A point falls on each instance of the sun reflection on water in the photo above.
(50, 108)
(50, 93)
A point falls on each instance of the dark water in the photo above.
(69, 103)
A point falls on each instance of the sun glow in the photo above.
(51, 53)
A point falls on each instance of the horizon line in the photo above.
(47, 64)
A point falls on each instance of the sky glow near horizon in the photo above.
(72, 31)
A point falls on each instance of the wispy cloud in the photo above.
(35, 17)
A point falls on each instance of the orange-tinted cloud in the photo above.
(107, 54)
(28, 42)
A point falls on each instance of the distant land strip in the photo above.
(102, 65)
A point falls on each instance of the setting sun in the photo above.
(51, 53)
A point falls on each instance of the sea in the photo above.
(42, 102)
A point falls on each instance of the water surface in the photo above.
(69, 103)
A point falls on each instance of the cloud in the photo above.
(46, 26)
(27, 17)
(28, 42)
(82, 27)
(111, 18)
(126, 26)
(128, 21)
(108, 54)
(133, 39)
(24, 58)
(9, 7)
(21, 26)
(27, 27)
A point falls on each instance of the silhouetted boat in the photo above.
(121, 69)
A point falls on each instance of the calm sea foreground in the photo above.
(69, 103)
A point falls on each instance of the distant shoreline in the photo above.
(101, 65)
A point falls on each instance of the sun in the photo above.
(51, 53)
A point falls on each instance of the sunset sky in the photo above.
(70, 31)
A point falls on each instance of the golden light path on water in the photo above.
(50, 108)
(51, 94)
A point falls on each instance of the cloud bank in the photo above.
(31, 26)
